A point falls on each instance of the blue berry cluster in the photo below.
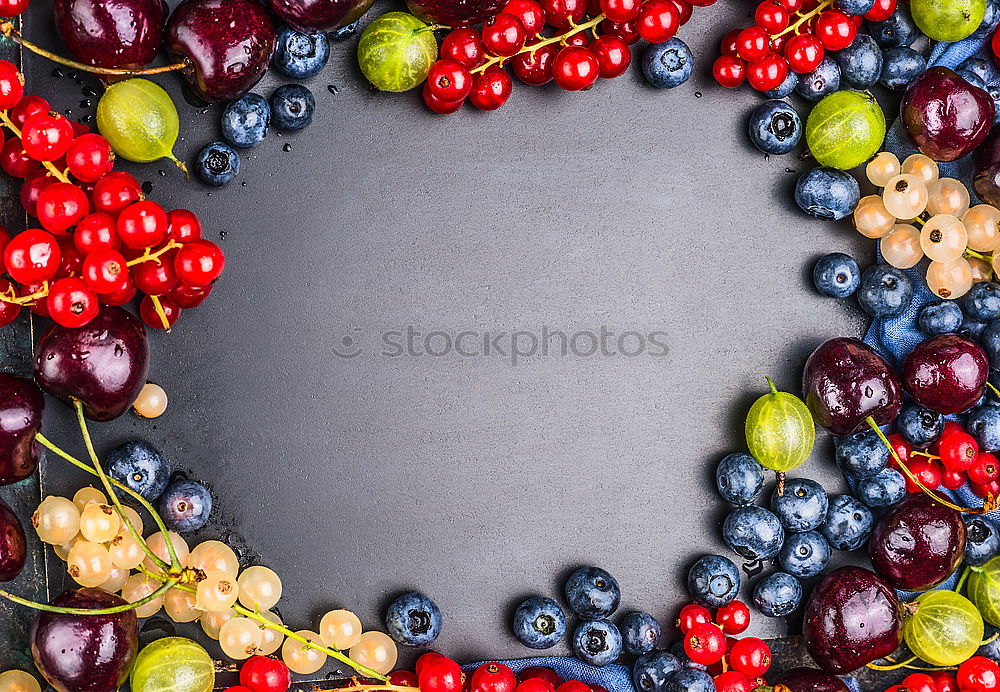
(882, 290)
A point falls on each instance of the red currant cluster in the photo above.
(738, 665)
(950, 462)
(570, 42)
(437, 673)
(978, 674)
(263, 674)
(100, 242)
(788, 35)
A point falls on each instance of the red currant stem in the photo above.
(150, 256)
(804, 18)
(921, 453)
(8, 30)
(25, 300)
(53, 171)
(158, 307)
(989, 504)
(894, 666)
(558, 38)
(166, 586)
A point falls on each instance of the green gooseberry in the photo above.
(780, 430)
(139, 121)
(945, 630)
(176, 664)
(845, 129)
(396, 52)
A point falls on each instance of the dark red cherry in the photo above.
(946, 373)
(454, 12)
(320, 15)
(845, 381)
(810, 680)
(103, 364)
(13, 547)
(945, 116)
(111, 33)
(228, 44)
(21, 405)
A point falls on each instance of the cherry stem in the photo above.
(166, 586)
(8, 30)
(989, 504)
(996, 392)
(894, 666)
(53, 171)
(558, 38)
(804, 18)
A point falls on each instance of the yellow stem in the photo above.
(804, 18)
(158, 307)
(894, 666)
(558, 38)
(150, 256)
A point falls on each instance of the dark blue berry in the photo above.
(854, 6)
(972, 329)
(972, 78)
(861, 455)
(185, 506)
(344, 32)
(940, 317)
(753, 533)
(990, 339)
(778, 594)
(298, 55)
(245, 120)
(413, 619)
(827, 193)
(804, 555)
(861, 62)
(668, 64)
(990, 20)
(837, 275)
(140, 467)
(884, 489)
(983, 424)
(640, 632)
(885, 291)
(690, 680)
(801, 506)
(292, 107)
(982, 302)
(980, 67)
(597, 642)
(991, 649)
(217, 164)
(539, 623)
(714, 581)
(824, 80)
(739, 478)
(785, 88)
(897, 30)
(848, 523)
(651, 670)
(677, 649)
(592, 593)
(900, 66)
(982, 540)
(775, 127)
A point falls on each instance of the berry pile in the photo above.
(942, 454)
(736, 665)
(100, 241)
(978, 674)
(591, 40)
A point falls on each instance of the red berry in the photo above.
(752, 43)
(12, 8)
(142, 225)
(693, 614)
(449, 80)
(767, 73)
(927, 471)
(733, 618)
(750, 656)
(804, 53)
(958, 451)
(46, 136)
(621, 10)
(440, 675)
(902, 448)
(705, 643)
(985, 469)
(424, 659)
(493, 677)
(919, 682)
(772, 16)
(94, 231)
(945, 681)
(199, 262)
(27, 107)
(547, 674)
(32, 256)
(183, 225)
(152, 318)
(504, 35)
(120, 297)
(61, 206)
(237, 688)
(155, 278)
(626, 31)
(835, 30)
(953, 480)
(15, 161)
(535, 67)
(702, 3)
(90, 158)
(265, 674)
(978, 674)
(573, 686)
(71, 260)
(561, 13)
(729, 44)
(658, 21)
(530, 13)
(613, 56)
(105, 270)
(729, 71)
(8, 311)
(402, 678)
(490, 88)
(115, 191)
(437, 105)
(71, 303)
(880, 11)
(580, 39)
(732, 681)
(464, 45)
(185, 296)
(31, 188)
(575, 68)
(535, 685)
(991, 489)
(11, 80)
(683, 10)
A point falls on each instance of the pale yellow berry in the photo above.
(883, 168)
(57, 520)
(180, 606)
(905, 196)
(377, 651)
(133, 517)
(943, 238)
(340, 629)
(901, 248)
(125, 552)
(947, 196)
(300, 658)
(158, 545)
(214, 555)
(270, 640)
(983, 225)
(217, 591)
(981, 269)
(136, 588)
(62, 551)
(872, 219)
(239, 638)
(151, 402)
(99, 523)
(950, 279)
(116, 580)
(923, 167)
(260, 588)
(18, 681)
(89, 563)
(212, 622)
(87, 494)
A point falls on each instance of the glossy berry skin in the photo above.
(185, 506)
(658, 21)
(300, 55)
(739, 478)
(11, 83)
(753, 533)
(142, 225)
(848, 523)
(824, 79)
(861, 62)
(837, 275)
(597, 642)
(46, 136)
(493, 677)
(15, 162)
(541, 673)
(449, 80)
(183, 225)
(982, 302)
(767, 72)
(575, 68)
(23, 404)
(919, 426)
(560, 13)
(105, 270)
(119, 34)
(693, 614)
(504, 35)
(640, 633)
(861, 455)
(667, 65)
(982, 540)
(530, 13)
(651, 670)
(245, 121)
(13, 544)
(940, 317)
(439, 675)
(217, 164)
(114, 192)
(185, 296)
(613, 56)
(705, 643)
(199, 262)
(464, 45)
(60, 206)
(752, 43)
(804, 53)
(592, 593)
(90, 157)
(94, 231)
(804, 555)
(897, 30)
(884, 489)
(32, 256)
(750, 656)
(785, 88)
(151, 317)
(940, 91)
(802, 506)
(413, 619)
(539, 623)
(491, 88)
(811, 680)
(835, 30)
(885, 291)
(775, 127)
(827, 193)
(71, 303)
(978, 674)
(900, 66)
(946, 373)
(729, 71)
(292, 107)
(265, 674)
(141, 467)
(714, 581)
(437, 105)
(778, 594)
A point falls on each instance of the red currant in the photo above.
(152, 318)
(90, 158)
(658, 21)
(142, 225)
(804, 53)
(155, 278)
(547, 674)
(702, 3)
(237, 688)
(11, 81)
(123, 295)
(490, 88)
(835, 30)
(953, 480)
(199, 262)
(15, 161)
(729, 71)
(880, 11)
(927, 472)
(733, 618)
(105, 271)
(902, 448)
(750, 656)
(573, 686)
(945, 681)
(919, 682)
(984, 469)
(8, 311)
(61, 206)
(530, 13)
(562, 13)
(440, 675)
(493, 677)
(535, 67)
(767, 73)
(613, 56)
(31, 188)
(575, 68)
(752, 43)
(464, 45)
(729, 44)
(94, 231)
(991, 489)
(621, 10)
(580, 39)
(71, 303)
(772, 16)
(264, 674)
(683, 10)
(504, 35)
(693, 614)
(626, 31)
(424, 659)
(950, 427)
(529, 685)
(792, 5)
(402, 678)
(71, 259)
(115, 191)
(449, 80)
(978, 674)
(183, 225)
(46, 136)
(437, 105)
(732, 681)
(27, 107)
(32, 256)
(185, 296)
(705, 643)
(958, 451)
(13, 8)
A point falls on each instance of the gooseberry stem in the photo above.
(558, 38)
(53, 171)
(804, 18)
(166, 586)
(961, 580)
(894, 666)
(8, 30)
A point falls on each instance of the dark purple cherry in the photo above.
(918, 544)
(103, 364)
(228, 44)
(986, 178)
(454, 12)
(85, 653)
(111, 33)
(320, 15)
(851, 618)
(808, 680)
(946, 373)
(13, 547)
(945, 116)
(845, 381)
(21, 405)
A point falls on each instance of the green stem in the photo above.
(961, 580)
(770, 383)
(894, 666)
(166, 586)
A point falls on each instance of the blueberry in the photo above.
(217, 164)
(991, 342)
(539, 623)
(972, 329)
(837, 275)
(597, 642)
(884, 489)
(592, 593)
(992, 649)
(140, 467)
(979, 66)
(848, 523)
(298, 55)
(785, 88)
(185, 506)
(650, 671)
(940, 317)
(640, 632)
(714, 581)
(775, 127)
(983, 424)
(802, 505)
(990, 20)
(677, 649)
(778, 595)
(897, 30)
(668, 64)
(885, 291)
(804, 555)
(344, 32)
(413, 620)
(689, 680)
(982, 302)
(861, 62)
(854, 6)
(982, 540)
(827, 193)
(972, 78)
(245, 121)
(739, 478)
(861, 455)
(824, 80)
(900, 66)
(753, 533)
(292, 107)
